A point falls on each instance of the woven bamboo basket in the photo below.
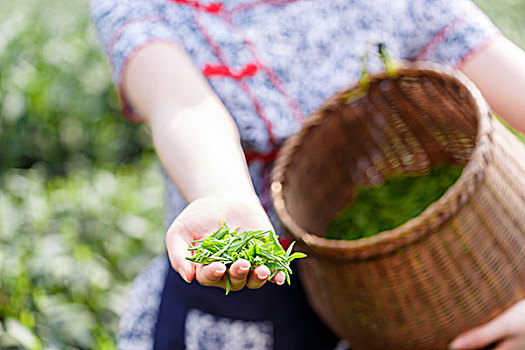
(459, 263)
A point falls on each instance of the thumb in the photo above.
(177, 247)
(481, 336)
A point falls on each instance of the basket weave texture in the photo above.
(459, 263)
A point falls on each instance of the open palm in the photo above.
(204, 216)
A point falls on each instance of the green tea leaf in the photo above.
(228, 283)
(297, 255)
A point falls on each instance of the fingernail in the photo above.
(244, 269)
(262, 275)
(219, 272)
(279, 281)
(182, 274)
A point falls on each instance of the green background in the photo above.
(81, 198)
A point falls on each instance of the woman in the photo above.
(221, 85)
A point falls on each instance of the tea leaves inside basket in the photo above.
(400, 198)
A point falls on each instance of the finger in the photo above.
(279, 278)
(481, 336)
(177, 246)
(238, 272)
(258, 277)
(505, 345)
(512, 343)
(211, 275)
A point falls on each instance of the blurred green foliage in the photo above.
(57, 103)
(81, 208)
(508, 15)
(80, 189)
(69, 248)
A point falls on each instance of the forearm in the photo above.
(499, 72)
(200, 150)
(193, 133)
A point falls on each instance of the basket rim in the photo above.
(416, 228)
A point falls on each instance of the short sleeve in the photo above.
(455, 30)
(124, 27)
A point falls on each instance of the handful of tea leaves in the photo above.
(258, 247)
(399, 199)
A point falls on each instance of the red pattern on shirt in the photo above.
(270, 73)
(212, 7)
(211, 70)
(242, 84)
(440, 37)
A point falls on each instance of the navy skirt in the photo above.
(195, 317)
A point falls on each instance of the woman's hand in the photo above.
(507, 331)
(202, 217)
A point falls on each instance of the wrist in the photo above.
(238, 209)
(235, 195)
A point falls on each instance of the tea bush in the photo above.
(58, 106)
(69, 247)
